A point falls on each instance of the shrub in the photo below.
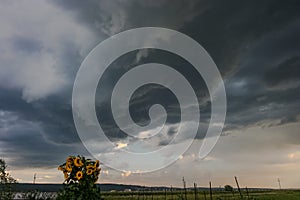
(7, 182)
(36, 195)
(228, 188)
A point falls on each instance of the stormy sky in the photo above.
(255, 45)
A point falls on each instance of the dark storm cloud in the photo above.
(246, 40)
(229, 29)
(25, 143)
(36, 134)
(265, 90)
(110, 17)
(146, 96)
(52, 113)
(254, 44)
(285, 73)
(31, 132)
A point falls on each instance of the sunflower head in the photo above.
(78, 162)
(90, 167)
(66, 175)
(68, 167)
(69, 160)
(77, 169)
(89, 172)
(79, 175)
(96, 165)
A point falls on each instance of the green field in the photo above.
(190, 195)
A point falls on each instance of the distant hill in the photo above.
(22, 187)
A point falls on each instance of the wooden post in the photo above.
(152, 193)
(195, 190)
(181, 195)
(165, 193)
(210, 191)
(184, 186)
(247, 192)
(204, 195)
(238, 186)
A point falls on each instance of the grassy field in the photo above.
(217, 195)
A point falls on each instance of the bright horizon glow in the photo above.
(255, 176)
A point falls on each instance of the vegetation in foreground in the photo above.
(203, 195)
(7, 182)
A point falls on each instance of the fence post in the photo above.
(204, 195)
(210, 191)
(238, 186)
(195, 190)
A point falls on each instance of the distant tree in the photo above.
(7, 182)
(228, 188)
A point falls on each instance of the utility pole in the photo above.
(184, 186)
(204, 195)
(195, 191)
(279, 183)
(171, 192)
(34, 178)
(210, 190)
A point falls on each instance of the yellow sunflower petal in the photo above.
(69, 160)
(96, 165)
(90, 167)
(66, 175)
(68, 167)
(79, 175)
(78, 162)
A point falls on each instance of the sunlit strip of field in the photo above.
(202, 195)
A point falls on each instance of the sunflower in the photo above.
(79, 175)
(68, 167)
(77, 168)
(96, 165)
(78, 162)
(89, 171)
(69, 160)
(90, 167)
(66, 175)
